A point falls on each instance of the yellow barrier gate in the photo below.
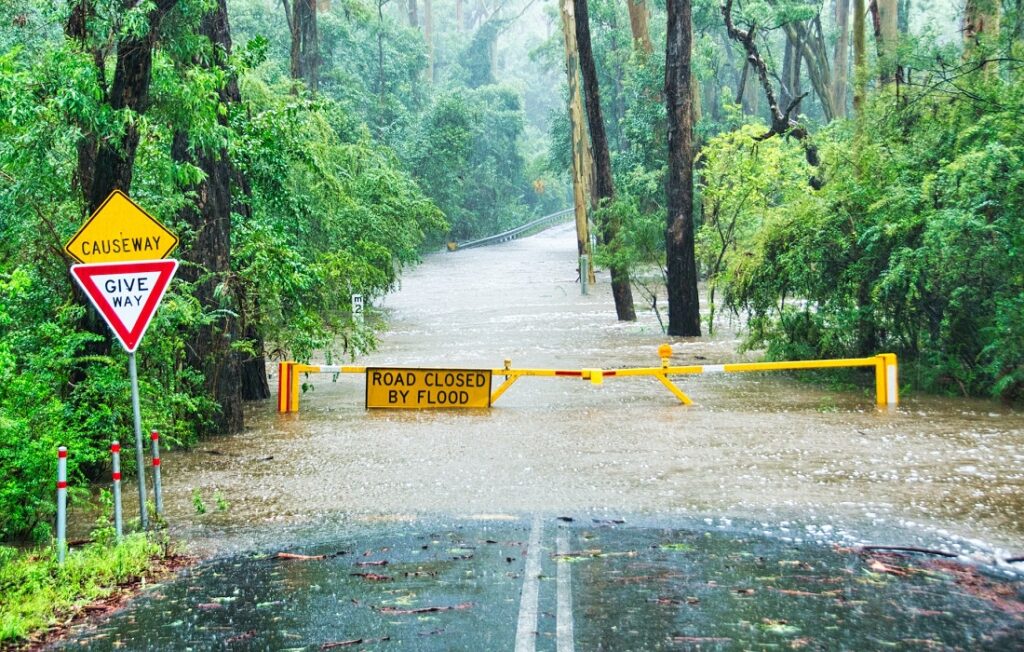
(289, 386)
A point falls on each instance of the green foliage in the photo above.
(36, 592)
(332, 214)
(745, 183)
(466, 157)
(912, 245)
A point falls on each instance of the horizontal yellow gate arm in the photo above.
(885, 365)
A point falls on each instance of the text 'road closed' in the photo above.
(427, 388)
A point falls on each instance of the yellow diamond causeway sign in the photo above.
(120, 231)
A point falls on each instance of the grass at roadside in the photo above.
(37, 594)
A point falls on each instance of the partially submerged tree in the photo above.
(681, 266)
(604, 186)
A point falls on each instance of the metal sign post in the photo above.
(140, 463)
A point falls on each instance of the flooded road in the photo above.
(571, 516)
(807, 461)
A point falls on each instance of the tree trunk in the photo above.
(428, 34)
(414, 20)
(841, 58)
(209, 255)
(582, 161)
(859, 56)
(683, 300)
(903, 22)
(605, 186)
(115, 161)
(810, 46)
(887, 39)
(790, 69)
(981, 21)
(749, 95)
(638, 19)
(305, 46)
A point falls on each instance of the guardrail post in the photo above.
(296, 388)
(892, 380)
(887, 382)
(584, 274)
(62, 503)
(284, 377)
(115, 454)
(158, 493)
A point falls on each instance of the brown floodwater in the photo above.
(796, 459)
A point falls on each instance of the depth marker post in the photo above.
(154, 436)
(140, 463)
(115, 453)
(62, 503)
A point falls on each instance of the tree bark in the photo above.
(604, 186)
(115, 161)
(638, 19)
(841, 58)
(209, 254)
(305, 45)
(809, 42)
(887, 39)
(859, 56)
(414, 20)
(582, 160)
(790, 69)
(681, 265)
(981, 20)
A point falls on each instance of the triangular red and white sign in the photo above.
(126, 294)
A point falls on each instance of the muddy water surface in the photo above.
(797, 460)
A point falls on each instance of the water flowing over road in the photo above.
(761, 447)
(762, 456)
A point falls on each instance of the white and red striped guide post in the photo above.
(115, 454)
(62, 502)
(154, 437)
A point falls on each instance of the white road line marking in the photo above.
(526, 632)
(564, 630)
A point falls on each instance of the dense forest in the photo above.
(844, 178)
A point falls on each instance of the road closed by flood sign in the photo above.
(425, 389)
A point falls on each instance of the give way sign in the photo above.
(126, 294)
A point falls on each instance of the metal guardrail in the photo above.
(512, 234)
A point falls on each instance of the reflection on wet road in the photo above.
(565, 585)
(789, 467)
